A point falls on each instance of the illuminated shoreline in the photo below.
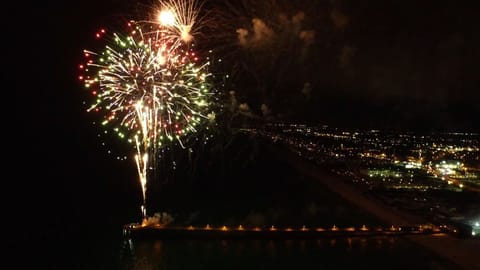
(272, 232)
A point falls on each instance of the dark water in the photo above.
(325, 253)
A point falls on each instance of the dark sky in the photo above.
(410, 64)
(405, 64)
(396, 64)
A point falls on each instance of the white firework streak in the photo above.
(152, 89)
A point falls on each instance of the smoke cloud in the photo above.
(242, 36)
(265, 110)
(307, 36)
(261, 34)
(339, 19)
(244, 107)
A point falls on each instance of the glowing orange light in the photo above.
(166, 17)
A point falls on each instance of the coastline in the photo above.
(462, 252)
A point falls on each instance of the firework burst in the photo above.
(149, 85)
(180, 21)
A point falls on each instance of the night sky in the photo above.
(405, 65)
(395, 64)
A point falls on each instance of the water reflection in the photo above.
(335, 253)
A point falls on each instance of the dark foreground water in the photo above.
(325, 253)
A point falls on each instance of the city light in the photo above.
(408, 179)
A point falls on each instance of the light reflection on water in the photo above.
(334, 253)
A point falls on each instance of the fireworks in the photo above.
(149, 85)
(146, 88)
(180, 20)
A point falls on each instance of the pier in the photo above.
(272, 232)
